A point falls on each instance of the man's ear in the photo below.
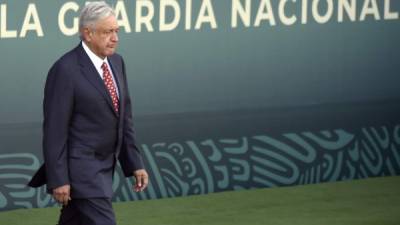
(86, 34)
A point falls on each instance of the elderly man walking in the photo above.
(88, 124)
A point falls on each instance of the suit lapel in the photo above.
(91, 74)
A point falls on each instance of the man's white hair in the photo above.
(93, 12)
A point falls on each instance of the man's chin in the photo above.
(110, 52)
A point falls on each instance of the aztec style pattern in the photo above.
(213, 165)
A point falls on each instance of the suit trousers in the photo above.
(95, 211)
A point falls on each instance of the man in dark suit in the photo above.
(87, 124)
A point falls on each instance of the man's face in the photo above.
(103, 39)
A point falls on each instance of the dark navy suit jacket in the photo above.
(83, 136)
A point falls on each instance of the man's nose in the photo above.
(114, 36)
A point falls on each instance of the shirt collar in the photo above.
(97, 61)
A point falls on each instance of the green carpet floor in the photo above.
(374, 201)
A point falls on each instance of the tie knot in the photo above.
(104, 66)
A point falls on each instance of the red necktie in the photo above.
(108, 81)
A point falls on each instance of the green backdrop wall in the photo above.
(293, 92)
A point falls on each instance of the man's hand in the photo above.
(62, 194)
(142, 179)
